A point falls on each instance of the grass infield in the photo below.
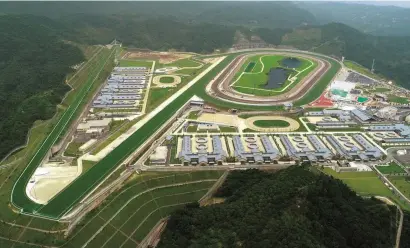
(166, 80)
(271, 123)
(390, 169)
(253, 78)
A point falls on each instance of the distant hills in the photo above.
(372, 19)
(369, 18)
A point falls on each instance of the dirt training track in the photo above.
(220, 86)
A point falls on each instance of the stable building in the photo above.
(202, 156)
(300, 150)
(348, 150)
(252, 153)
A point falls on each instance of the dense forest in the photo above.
(155, 34)
(262, 14)
(290, 208)
(405, 235)
(34, 62)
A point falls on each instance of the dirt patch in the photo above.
(161, 57)
(211, 60)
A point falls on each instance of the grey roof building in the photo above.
(369, 152)
(334, 123)
(339, 114)
(129, 68)
(401, 129)
(303, 152)
(254, 155)
(362, 115)
(202, 157)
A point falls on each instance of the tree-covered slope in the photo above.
(34, 62)
(155, 34)
(291, 208)
(260, 14)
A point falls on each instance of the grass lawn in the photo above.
(255, 75)
(250, 66)
(381, 90)
(131, 63)
(158, 95)
(193, 115)
(225, 129)
(398, 99)
(72, 149)
(166, 80)
(87, 164)
(390, 169)
(402, 184)
(364, 183)
(192, 128)
(361, 69)
(271, 123)
(180, 63)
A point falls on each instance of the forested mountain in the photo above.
(290, 208)
(377, 20)
(34, 62)
(262, 14)
(155, 34)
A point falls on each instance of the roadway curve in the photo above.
(220, 86)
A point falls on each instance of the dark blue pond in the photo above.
(291, 62)
(277, 76)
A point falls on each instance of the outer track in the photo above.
(220, 87)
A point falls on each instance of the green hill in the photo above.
(291, 208)
(34, 62)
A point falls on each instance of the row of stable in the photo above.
(123, 89)
(266, 148)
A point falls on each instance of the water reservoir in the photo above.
(290, 62)
(277, 76)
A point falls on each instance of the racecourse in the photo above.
(64, 201)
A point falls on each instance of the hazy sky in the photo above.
(405, 3)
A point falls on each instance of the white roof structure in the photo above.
(359, 166)
(94, 124)
(342, 85)
(197, 99)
